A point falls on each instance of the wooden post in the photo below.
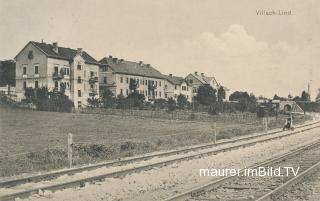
(266, 124)
(70, 149)
(214, 132)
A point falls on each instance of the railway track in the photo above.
(258, 188)
(81, 182)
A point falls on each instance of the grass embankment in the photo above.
(36, 141)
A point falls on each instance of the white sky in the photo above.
(260, 54)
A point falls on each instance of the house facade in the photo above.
(117, 74)
(174, 86)
(196, 80)
(48, 65)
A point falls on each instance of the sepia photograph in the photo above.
(159, 100)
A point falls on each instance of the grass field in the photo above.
(36, 140)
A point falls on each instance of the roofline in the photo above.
(26, 46)
(196, 78)
(138, 75)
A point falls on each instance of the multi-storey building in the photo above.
(174, 86)
(195, 79)
(117, 74)
(54, 67)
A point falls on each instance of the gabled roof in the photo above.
(131, 68)
(174, 79)
(63, 53)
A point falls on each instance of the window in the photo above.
(105, 80)
(156, 83)
(36, 84)
(79, 104)
(67, 71)
(91, 86)
(79, 67)
(79, 80)
(146, 93)
(184, 88)
(68, 85)
(24, 84)
(127, 91)
(91, 73)
(24, 70)
(121, 79)
(175, 86)
(191, 81)
(121, 91)
(160, 94)
(127, 80)
(146, 82)
(56, 69)
(166, 95)
(195, 89)
(79, 93)
(141, 82)
(156, 93)
(36, 69)
(56, 84)
(160, 83)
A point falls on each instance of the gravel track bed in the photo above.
(251, 188)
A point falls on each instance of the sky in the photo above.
(263, 54)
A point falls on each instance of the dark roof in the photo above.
(174, 79)
(63, 53)
(131, 68)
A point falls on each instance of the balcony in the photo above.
(93, 92)
(93, 79)
(57, 76)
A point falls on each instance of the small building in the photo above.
(196, 80)
(48, 65)
(174, 86)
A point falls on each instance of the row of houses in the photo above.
(40, 64)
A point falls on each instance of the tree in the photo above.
(206, 95)
(93, 102)
(221, 94)
(318, 96)
(7, 73)
(171, 104)
(133, 85)
(48, 101)
(245, 102)
(135, 99)
(107, 98)
(160, 103)
(182, 101)
(305, 96)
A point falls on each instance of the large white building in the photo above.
(51, 66)
(116, 75)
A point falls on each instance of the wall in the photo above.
(21, 60)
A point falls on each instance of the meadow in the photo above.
(36, 141)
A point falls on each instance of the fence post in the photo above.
(70, 149)
(214, 132)
(266, 124)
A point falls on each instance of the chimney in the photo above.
(196, 73)
(110, 56)
(148, 65)
(121, 61)
(55, 47)
(170, 75)
(79, 51)
(202, 74)
(140, 63)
